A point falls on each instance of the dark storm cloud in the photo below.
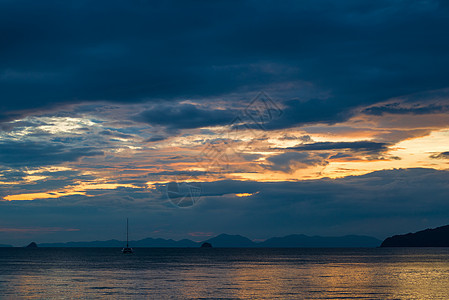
(185, 116)
(17, 154)
(359, 146)
(53, 181)
(318, 153)
(290, 161)
(359, 53)
(178, 173)
(442, 155)
(304, 138)
(156, 138)
(12, 175)
(396, 108)
(296, 113)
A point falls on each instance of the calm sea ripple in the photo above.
(175, 273)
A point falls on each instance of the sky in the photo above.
(195, 118)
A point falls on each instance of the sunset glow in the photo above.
(253, 118)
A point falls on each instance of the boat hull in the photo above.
(127, 250)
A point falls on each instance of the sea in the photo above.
(227, 273)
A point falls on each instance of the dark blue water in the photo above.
(156, 273)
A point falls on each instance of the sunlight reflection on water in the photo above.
(225, 273)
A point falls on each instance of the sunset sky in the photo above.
(315, 117)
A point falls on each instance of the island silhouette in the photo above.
(436, 237)
(31, 245)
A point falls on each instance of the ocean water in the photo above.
(156, 273)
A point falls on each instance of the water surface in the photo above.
(380, 273)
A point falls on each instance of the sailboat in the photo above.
(127, 249)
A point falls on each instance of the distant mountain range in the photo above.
(231, 241)
(303, 241)
(437, 237)
(238, 241)
(148, 242)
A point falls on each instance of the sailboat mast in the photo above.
(127, 250)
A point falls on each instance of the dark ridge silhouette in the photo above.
(148, 242)
(206, 245)
(437, 237)
(109, 243)
(31, 245)
(5, 246)
(236, 241)
(231, 241)
(304, 241)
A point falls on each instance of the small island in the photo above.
(206, 245)
(32, 245)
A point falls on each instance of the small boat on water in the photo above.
(127, 249)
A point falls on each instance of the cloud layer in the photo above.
(103, 104)
(351, 53)
(379, 204)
